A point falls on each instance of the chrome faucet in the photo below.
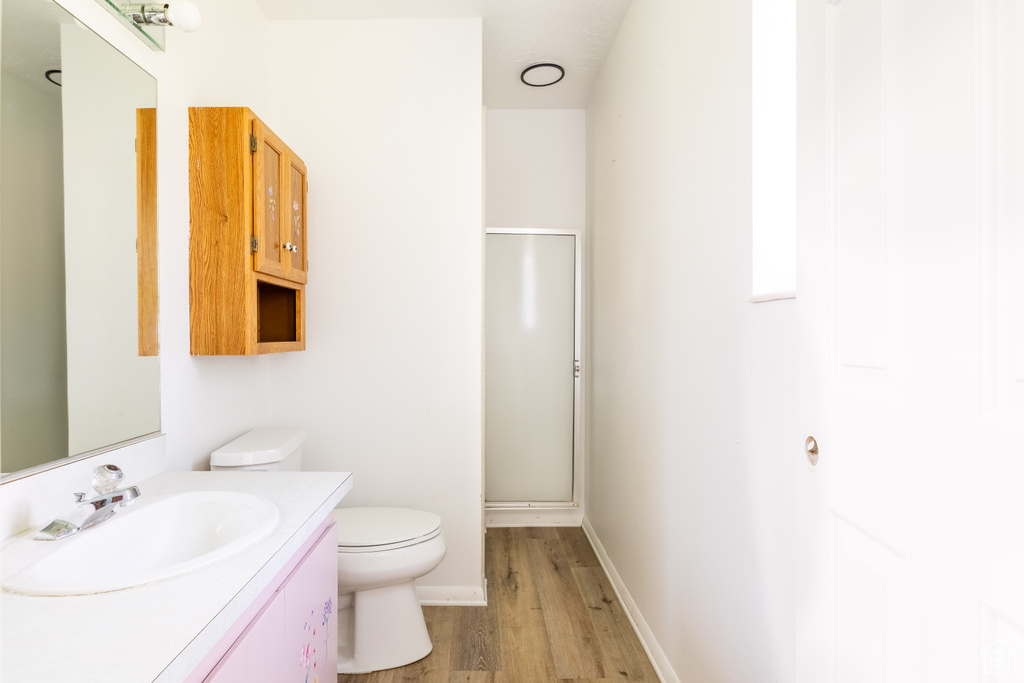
(93, 506)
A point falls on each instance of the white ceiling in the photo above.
(31, 40)
(577, 34)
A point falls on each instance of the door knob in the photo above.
(811, 450)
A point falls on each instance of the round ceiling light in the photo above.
(542, 75)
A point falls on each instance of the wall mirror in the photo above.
(79, 370)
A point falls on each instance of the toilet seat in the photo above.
(363, 530)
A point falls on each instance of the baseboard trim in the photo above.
(452, 596)
(533, 514)
(658, 659)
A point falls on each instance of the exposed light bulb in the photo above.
(183, 15)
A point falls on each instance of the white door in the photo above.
(530, 346)
(911, 305)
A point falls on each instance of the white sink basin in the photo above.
(152, 539)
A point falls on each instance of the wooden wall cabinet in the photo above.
(248, 237)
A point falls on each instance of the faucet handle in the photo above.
(106, 478)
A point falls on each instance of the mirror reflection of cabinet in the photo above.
(145, 240)
(247, 252)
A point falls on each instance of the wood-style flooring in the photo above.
(552, 615)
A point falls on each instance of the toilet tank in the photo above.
(264, 449)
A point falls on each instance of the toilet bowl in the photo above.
(381, 552)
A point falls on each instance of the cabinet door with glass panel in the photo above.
(279, 211)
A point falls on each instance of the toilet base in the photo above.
(381, 628)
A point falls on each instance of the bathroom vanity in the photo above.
(260, 605)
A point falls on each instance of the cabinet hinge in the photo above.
(254, 244)
(252, 144)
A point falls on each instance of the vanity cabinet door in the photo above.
(294, 638)
(257, 655)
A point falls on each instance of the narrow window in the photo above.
(774, 149)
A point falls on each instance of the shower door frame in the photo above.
(549, 513)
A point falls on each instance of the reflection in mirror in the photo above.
(78, 365)
(152, 36)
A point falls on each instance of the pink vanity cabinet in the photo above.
(293, 637)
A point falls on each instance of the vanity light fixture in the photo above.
(542, 75)
(181, 14)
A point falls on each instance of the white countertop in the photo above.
(163, 630)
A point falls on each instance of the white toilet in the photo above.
(381, 552)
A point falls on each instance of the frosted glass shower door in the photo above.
(530, 368)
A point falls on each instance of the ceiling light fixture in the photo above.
(542, 75)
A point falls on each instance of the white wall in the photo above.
(536, 168)
(692, 434)
(387, 116)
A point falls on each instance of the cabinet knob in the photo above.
(288, 246)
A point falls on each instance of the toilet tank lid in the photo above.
(258, 447)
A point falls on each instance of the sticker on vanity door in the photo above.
(309, 658)
(311, 620)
